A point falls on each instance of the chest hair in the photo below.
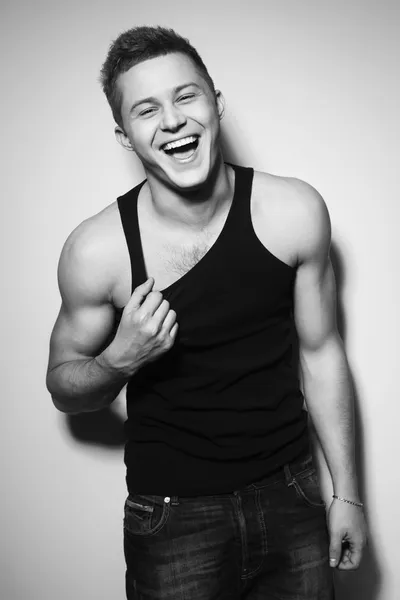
(181, 259)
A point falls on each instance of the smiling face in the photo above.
(171, 119)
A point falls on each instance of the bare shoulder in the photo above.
(86, 267)
(294, 209)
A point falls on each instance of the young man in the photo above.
(188, 289)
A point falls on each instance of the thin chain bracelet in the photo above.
(360, 504)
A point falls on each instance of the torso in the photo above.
(167, 258)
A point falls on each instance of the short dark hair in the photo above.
(137, 45)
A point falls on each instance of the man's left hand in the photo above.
(348, 535)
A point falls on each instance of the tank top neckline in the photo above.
(242, 187)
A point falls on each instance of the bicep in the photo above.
(314, 288)
(86, 319)
(315, 303)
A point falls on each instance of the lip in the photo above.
(184, 161)
(182, 137)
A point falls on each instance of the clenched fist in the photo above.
(147, 329)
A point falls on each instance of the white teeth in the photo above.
(182, 142)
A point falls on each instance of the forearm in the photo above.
(85, 385)
(329, 399)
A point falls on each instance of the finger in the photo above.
(169, 322)
(335, 549)
(139, 294)
(351, 558)
(161, 312)
(174, 331)
(345, 558)
(151, 303)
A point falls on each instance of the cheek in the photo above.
(213, 117)
(143, 135)
(210, 122)
(214, 125)
(203, 112)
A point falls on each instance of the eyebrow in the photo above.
(152, 99)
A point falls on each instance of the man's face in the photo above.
(171, 119)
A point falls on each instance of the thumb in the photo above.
(139, 294)
(335, 549)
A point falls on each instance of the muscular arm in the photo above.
(79, 376)
(89, 365)
(323, 363)
(326, 377)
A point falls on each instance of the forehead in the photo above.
(157, 76)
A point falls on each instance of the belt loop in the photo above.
(288, 475)
(174, 501)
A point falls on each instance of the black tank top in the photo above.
(223, 407)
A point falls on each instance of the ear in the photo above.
(220, 103)
(123, 139)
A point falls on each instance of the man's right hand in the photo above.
(147, 329)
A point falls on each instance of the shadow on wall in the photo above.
(105, 428)
(365, 583)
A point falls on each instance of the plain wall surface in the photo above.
(312, 91)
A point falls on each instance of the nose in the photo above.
(172, 118)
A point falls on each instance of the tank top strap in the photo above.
(240, 213)
(127, 205)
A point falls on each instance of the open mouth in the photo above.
(182, 149)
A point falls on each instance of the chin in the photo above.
(193, 177)
(190, 181)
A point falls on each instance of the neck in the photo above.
(195, 209)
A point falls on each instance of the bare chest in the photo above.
(169, 258)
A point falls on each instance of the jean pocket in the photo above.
(145, 515)
(307, 488)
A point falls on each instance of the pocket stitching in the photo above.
(132, 504)
(302, 495)
(156, 528)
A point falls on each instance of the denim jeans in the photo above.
(267, 541)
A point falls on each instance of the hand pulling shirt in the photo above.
(223, 407)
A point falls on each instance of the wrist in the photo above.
(347, 501)
(109, 362)
(112, 364)
(348, 490)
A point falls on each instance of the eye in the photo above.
(186, 97)
(147, 112)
